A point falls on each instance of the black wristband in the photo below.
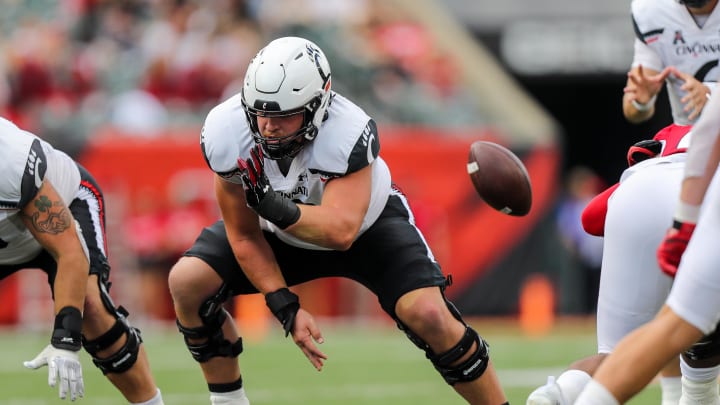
(67, 331)
(279, 210)
(284, 304)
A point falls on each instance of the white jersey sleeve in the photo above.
(226, 137)
(23, 164)
(646, 56)
(26, 162)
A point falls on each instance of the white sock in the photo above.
(671, 389)
(571, 383)
(595, 393)
(700, 392)
(699, 374)
(156, 400)
(236, 397)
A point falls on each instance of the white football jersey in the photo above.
(346, 142)
(668, 35)
(25, 162)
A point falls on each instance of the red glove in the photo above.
(673, 246)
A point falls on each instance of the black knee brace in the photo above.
(470, 369)
(212, 315)
(123, 359)
(707, 348)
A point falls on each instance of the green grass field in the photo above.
(367, 364)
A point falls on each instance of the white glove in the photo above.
(63, 362)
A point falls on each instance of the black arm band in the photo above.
(279, 210)
(284, 304)
(67, 331)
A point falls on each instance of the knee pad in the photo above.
(212, 316)
(706, 348)
(123, 359)
(470, 369)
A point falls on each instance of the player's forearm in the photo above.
(258, 263)
(330, 228)
(635, 115)
(71, 281)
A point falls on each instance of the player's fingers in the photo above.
(80, 383)
(64, 380)
(73, 383)
(664, 74)
(308, 346)
(315, 333)
(694, 114)
(52, 372)
(316, 358)
(634, 79)
(35, 363)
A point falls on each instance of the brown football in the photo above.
(500, 178)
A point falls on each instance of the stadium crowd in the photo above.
(69, 67)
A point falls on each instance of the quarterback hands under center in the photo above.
(697, 93)
(260, 195)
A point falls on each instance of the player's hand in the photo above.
(642, 87)
(697, 93)
(673, 246)
(63, 365)
(260, 195)
(643, 150)
(305, 334)
(255, 181)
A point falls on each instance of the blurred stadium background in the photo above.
(123, 85)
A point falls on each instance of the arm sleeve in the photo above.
(646, 56)
(593, 216)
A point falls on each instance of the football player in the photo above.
(304, 194)
(693, 307)
(673, 39)
(52, 218)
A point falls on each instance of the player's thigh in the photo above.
(695, 297)
(632, 287)
(191, 281)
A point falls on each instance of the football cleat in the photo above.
(548, 394)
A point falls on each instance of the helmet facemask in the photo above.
(290, 76)
(694, 3)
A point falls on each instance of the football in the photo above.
(500, 178)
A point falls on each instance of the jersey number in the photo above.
(705, 69)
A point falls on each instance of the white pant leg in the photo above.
(632, 286)
(695, 297)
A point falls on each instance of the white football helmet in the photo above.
(289, 76)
